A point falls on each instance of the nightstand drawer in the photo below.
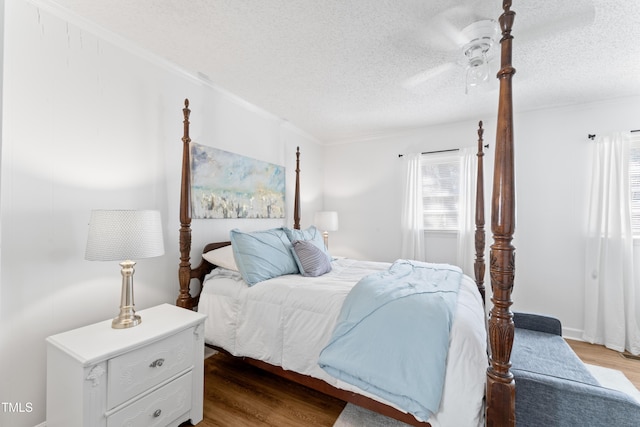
(141, 369)
(165, 405)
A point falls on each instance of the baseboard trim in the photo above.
(208, 352)
(571, 333)
(44, 424)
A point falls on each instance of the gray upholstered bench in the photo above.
(554, 387)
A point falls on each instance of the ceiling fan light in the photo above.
(477, 65)
(477, 75)
(476, 52)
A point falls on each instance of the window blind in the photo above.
(634, 182)
(440, 191)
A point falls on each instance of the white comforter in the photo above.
(288, 320)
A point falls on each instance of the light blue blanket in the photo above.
(392, 335)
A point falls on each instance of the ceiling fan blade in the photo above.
(426, 75)
(450, 30)
(443, 31)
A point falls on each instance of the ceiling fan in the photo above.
(475, 46)
(469, 42)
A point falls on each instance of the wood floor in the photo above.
(237, 394)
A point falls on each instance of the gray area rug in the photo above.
(355, 416)
(614, 379)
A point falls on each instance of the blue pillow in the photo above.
(311, 234)
(262, 255)
(311, 260)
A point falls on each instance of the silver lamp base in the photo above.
(127, 317)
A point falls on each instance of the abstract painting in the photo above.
(228, 185)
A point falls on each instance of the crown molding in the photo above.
(109, 36)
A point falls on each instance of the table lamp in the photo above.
(124, 235)
(326, 221)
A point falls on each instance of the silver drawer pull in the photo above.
(156, 363)
(157, 413)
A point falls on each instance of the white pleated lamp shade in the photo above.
(118, 235)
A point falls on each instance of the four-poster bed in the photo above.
(500, 387)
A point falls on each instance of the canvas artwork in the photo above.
(228, 185)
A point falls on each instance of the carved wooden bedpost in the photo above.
(184, 271)
(296, 200)
(501, 390)
(479, 264)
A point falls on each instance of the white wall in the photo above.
(363, 184)
(91, 122)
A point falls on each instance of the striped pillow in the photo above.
(311, 260)
(311, 234)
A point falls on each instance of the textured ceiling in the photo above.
(338, 69)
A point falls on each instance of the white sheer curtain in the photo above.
(611, 311)
(412, 221)
(466, 210)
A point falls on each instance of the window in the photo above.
(441, 190)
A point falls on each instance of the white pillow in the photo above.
(222, 257)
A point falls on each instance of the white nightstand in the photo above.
(148, 375)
